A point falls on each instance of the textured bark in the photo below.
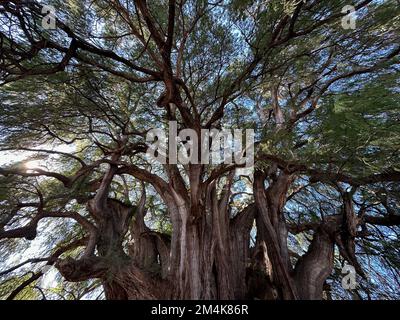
(123, 277)
(209, 247)
(315, 266)
(240, 258)
(132, 283)
(269, 204)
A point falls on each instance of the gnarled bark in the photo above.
(315, 266)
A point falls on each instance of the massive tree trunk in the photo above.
(213, 247)
(205, 258)
(208, 255)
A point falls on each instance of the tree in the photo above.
(79, 100)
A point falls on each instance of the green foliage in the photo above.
(28, 293)
(358, 130)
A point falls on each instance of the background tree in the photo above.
(80, 99)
